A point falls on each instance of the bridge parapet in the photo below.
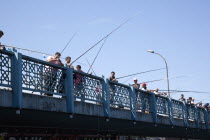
(23, 73)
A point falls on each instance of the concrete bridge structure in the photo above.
(83, 104)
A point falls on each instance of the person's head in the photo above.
(190, 98)
(135, 80)
(68, 59)
(144, 85)
(78, 67)
(200, 104)
(182, 95)
(1, 33)
(57, 55)
(157, 89)
(112, 73)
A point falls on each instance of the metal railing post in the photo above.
(185, 117)
(69, 90)
(17, 80)
(206, 118)
(133, 103)
(197, 121)
(153, 107)
(106, 97)
(170, 111)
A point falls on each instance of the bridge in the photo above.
(91, 105)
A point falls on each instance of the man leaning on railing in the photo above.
(51, 73)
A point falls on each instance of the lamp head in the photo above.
(150, 51)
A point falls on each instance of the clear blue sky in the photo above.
(177, 29)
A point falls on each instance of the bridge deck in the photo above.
(93, 105)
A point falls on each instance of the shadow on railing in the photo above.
(22, 72)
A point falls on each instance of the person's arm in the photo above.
(51, 59)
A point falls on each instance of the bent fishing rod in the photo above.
(105, 37)
(140, 73)
(97, 55)
(69, 42)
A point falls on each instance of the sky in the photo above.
(179, 30)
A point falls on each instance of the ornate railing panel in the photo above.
(87, 87)
(201, 117)
(190, 112)
(143, 101)
(162, 105)
(119, 94)
(40, 76)
(5, 69)
(177, 109)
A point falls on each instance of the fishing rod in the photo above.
(175, 91)
(97, 54)
(163, 79)
(140, 73)
(68, 42)
(36, 52)
(90, 65)
(104, 37)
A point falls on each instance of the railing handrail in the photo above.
(7, 52)
(25, 57)
(119, 84)
(88, 75)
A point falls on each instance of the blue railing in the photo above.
(40, 76)
(162, 105)
(143, 101)
(177, 109)
(119, 95)
(5, 68)
(24, 73)
(191, 112)
(87, 87)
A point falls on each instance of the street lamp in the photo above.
(166, 69)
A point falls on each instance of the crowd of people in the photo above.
(191, 101)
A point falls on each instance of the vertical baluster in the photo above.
(170, 111)
(153, 107)
(106, 97)
(69, 90)
(16, 71)
(197, 118)
(206, 119)
(185, 114)
(132, 103)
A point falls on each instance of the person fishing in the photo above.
(136, 84)
(52, 73)
(2, 47)
(68, 62)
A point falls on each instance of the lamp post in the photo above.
(166, 70)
